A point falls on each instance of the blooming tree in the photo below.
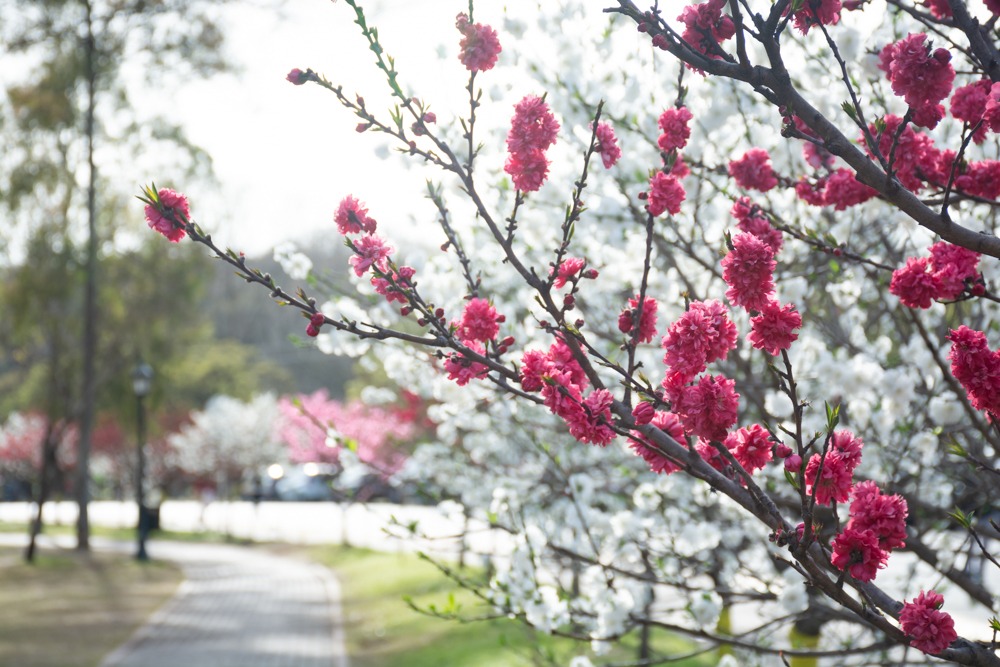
(753, 368)
(315, 428)
(228, 439)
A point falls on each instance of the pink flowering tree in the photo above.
(316, 428)
(713, 348)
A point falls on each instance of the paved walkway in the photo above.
(238, 607)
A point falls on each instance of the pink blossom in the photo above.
(674, 123)
(940, 9)
(953, 265)
(858, 552)
(748, 270)
(774, 328)
(811, 192)
(848, 446)
(968, 103)
(927, 115)
(750, 446)
(480, 47)
(665, 194)
(977, 368)
(297, 76)
(370, 250)
(843, 190)
(753, 171)
(914, 153)
(535, 364)
(647, 323)
(706, 26)
(712, 454)
(462, 369)
(607, 144)
(479, 321)
(918, 75)
(561, 356)
(752, 220)
(528, 169)
(883, 515)
(568, 269)
(592, 423)
(834, 483)
(533, 126)
(915, 284)
(991, 113)
(980, 179)
(930, 629)
(709, 408)
(169, 215)
(703, 334)
(380, 433)
(394, 287)
(352, 218)
(815, 12)
(643, 413)
(659, 463)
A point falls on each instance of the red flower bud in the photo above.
(643, 413)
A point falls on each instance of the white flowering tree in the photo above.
(711, 320)
(228, 439)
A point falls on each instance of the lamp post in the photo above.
(142, 382)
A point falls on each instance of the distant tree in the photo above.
(71, 99)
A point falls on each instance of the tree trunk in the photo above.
(90, 302)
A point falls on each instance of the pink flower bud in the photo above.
(782, 451)
(793, 463)
(643, 413)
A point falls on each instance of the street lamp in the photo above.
(142, 382)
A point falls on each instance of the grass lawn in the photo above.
(383, 631)
(70, 609)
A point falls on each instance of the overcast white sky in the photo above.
(286, 155)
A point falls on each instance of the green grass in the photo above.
(70, 609)
(382, 629)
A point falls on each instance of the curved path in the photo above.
(240, 607)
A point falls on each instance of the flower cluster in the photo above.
(817, 12)
(920, 76)
(703, 334)
(646, 321)
(607, 144)
(748, 271)
(829, 476)
(666, 194)
(753, 171)
(751, 219)
(674, 124)
(877, 525)
(669, 423)
(945, 275)
(840, 189)
(533, 129)
(930, 629)
(562, 382)
(705, 27)
(751, 447)
(480, 47)
(461, 369)
(480, 322)
(168, 214)
(977, 368)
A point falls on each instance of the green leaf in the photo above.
(790, 478)
(832, 415)
(963, 519)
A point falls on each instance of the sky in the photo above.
(286, 155)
